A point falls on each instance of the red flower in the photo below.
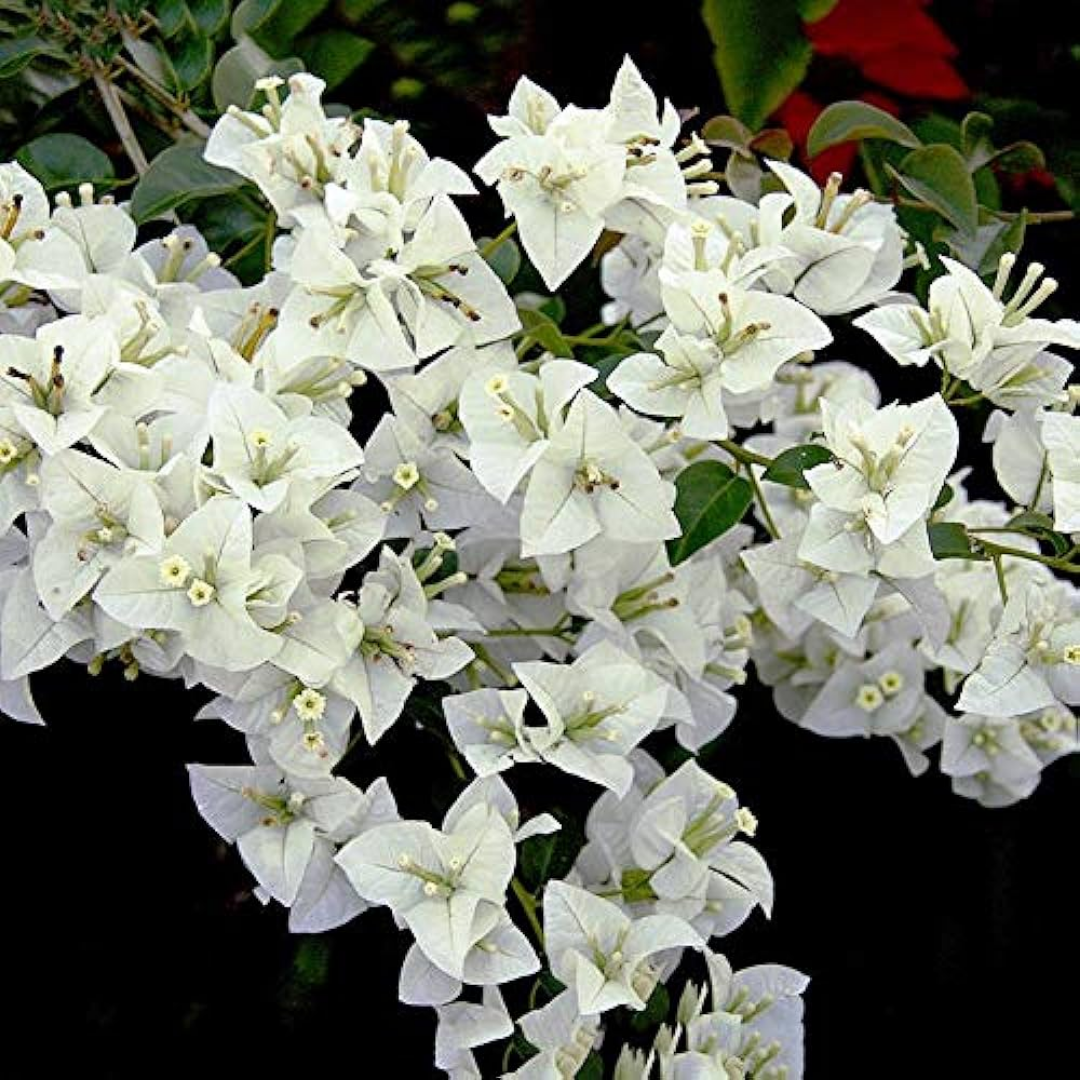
(895, 44)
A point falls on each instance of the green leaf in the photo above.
(1009, 237)
(334, 54)
(17, 53)
(172, 17)
(709, 500)
(949, 540)
(761, 53)
(812, 10)
(938, 175)
(592, 1068)
(945, 496)
(655, 1011)
(191, 58)
(848, 121)
(727, 132)
(275, 23)
(543, 330)
(1041, 526)
(788, 467)
(177, 176)
(550, 855)
(210, 15)
(505, 260)
(60, 160)
(240, 68)
(975, 134)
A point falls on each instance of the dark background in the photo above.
(940, 936)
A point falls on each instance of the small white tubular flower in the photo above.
(601, 953)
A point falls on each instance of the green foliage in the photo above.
(788, 468)
(950, 540)
(849, 121)
(177, 176)
(761, 52)
(64, 161)
(709, 500)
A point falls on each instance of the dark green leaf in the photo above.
(172, 17)
(812, 10)
(760, 51)
(592, 1068)
(542, 329)
(1009, 237)
(975, 134)
(655, 1011)
(848, 121)
(505, 260)
(1041, 526)
(788, 467)
(177, 176)
(949, 540)
(709, 500)
(773, 143)
(275, 23)
(210, 15)
(945, 496)
(60, 160)
(236, 73)
(334, 54)
(938, 175)
(551, 855)
(18, 52)
(1017, 157)
(191, 58)
(728, 132)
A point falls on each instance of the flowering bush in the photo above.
(585, 542)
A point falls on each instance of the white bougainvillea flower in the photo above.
(593, 478)
(989, 759)
(287, 832)
(49, 384)
(290, 149)
(33, 253)
(597, 710)
(396, 646)
(754, 332)
(890, 463)
(201, 585)
(562, 1034)
(1061, 437)
(557, 175)
(100, 515)
(259, 450)
(1033, 660)
(601, 953)
(436, 881)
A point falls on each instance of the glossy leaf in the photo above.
(939, 176)
(850, 121)
(176, 176)
(709, 500)
(789, 467)
(61, 160)
(760, 52)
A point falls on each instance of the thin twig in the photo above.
(115, 108)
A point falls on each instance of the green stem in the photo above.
(155, 89)
(742, 455)
(999, 572)
(493, 245)
(529, 906)
(770, 524)
(1063, 564)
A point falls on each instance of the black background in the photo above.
(940, 936)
